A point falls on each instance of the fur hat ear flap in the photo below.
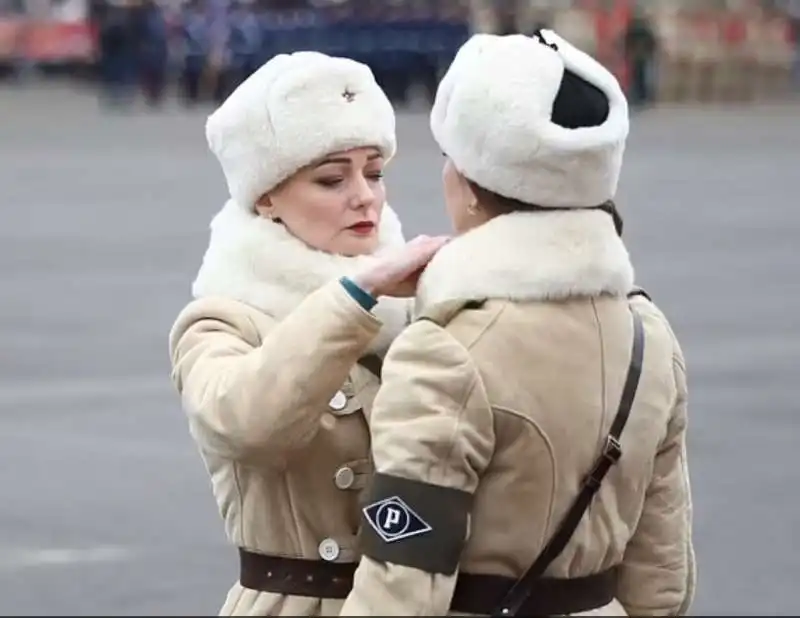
(579, 104)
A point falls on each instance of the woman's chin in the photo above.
(358, 244)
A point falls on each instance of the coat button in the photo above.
(338, 402)
(344, 477)
(329, 550)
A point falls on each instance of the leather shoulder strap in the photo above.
(637, 291)
(440, 314)
(612, 451)
(443, 313)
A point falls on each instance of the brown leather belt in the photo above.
(474, 594)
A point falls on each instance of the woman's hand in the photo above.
(396, 272)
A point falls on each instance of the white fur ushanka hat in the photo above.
(494, 117)
(293, 110)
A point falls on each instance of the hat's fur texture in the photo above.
(492, 117)
(294, 110)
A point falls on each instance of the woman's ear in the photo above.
(464, 188)
(470, 198)
(471, 201)
(264, 207)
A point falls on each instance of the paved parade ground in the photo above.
(103, 219)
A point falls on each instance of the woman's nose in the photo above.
(363, 193)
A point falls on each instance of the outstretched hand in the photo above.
(396, 273)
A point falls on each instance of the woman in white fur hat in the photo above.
(535, 370)
(277, 359)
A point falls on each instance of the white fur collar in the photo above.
(530, 256)
(259, 262)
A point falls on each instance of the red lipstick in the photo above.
(363, 227)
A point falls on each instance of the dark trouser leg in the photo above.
(191, 78)
(638, 83)
(153, 81)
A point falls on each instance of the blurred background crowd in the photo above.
(663, 50)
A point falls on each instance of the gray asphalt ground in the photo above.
(103, 219)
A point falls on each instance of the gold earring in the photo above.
(472, 207)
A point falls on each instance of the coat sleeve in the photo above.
(252, 398)
(658, 569)
(432, 438)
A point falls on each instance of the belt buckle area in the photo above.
(613, 450)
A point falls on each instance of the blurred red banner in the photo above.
(54, 41)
